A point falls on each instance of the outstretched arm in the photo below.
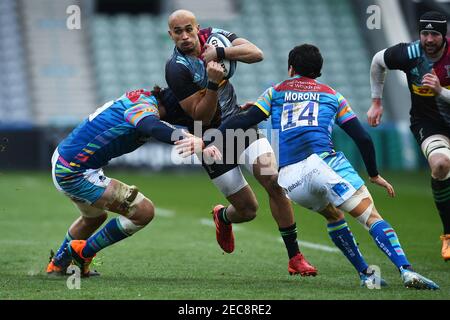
(153, 127)
(365, 145)
(244, 120)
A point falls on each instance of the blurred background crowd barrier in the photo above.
(61, 59)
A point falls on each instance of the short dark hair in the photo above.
(306, 60)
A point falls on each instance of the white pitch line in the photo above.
(210, 223)
(306, 244)
(166, 213)
(316, 246)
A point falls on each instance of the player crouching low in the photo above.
(116, 128)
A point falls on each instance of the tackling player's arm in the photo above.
(144, 116)
(244, 120)
(199, 105)
(151, 126)
(253, 115)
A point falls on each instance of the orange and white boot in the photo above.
(76, 250)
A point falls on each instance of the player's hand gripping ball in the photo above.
(218, 40)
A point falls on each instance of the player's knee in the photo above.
(440, 167)
(374, 217)
(248, 212)
(336, 216)
(332, 214)
(270, 183)
(133, 205)
(144, 212)
(333, 218)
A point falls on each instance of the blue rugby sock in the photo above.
(111, 233)
(344, 240)
(62, 256)
(387, 240)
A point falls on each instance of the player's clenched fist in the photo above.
(209, 53)
(215, 72)
(431, 81)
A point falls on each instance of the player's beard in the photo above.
(432, 49)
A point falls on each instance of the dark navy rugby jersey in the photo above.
(186, 75)
(411, 59)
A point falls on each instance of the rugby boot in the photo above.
(299, 265)
(445, 247)
(57, 268)
(76, 250)
(414, 280)
(224, 232)
(372, 281)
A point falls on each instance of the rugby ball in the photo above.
(219, 40)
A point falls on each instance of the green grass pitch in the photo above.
(177, 257)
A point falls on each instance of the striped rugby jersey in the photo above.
(109, 132)
(304, 111)
(411, 59)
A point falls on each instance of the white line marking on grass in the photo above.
(210, 223)
(33, 272)
(166, 213)
(315, 246)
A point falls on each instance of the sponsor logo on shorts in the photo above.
(340, 189)
(302, 180)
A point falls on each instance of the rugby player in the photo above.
(317, 177)
(197, 81)
(116, 128)
(426, 63)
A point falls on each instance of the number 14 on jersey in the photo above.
(299, 114)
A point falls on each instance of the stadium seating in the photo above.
(14, 104)
(130, 51)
